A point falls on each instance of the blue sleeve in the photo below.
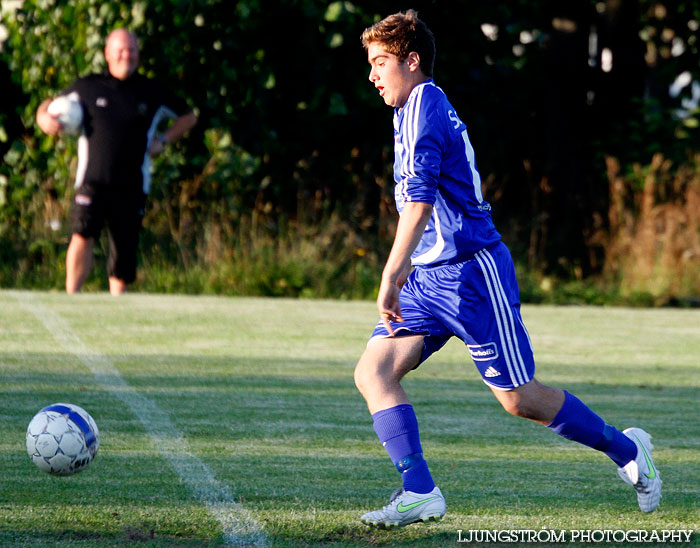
(425, 143)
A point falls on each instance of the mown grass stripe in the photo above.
(238, 526)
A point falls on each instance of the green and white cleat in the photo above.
(641, 473)
(407, 507)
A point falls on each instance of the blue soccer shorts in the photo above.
(478, 301)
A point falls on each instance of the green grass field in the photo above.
(235, 422)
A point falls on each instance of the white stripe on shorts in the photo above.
(504, 319)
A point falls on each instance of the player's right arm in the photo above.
(412, 222)
(48, 123)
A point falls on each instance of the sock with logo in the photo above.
(576, 422)
(397, 429)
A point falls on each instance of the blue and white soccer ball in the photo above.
(69, 112)
(62, 439)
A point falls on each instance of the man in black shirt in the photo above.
(121, 114)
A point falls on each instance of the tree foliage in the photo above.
(291, 132)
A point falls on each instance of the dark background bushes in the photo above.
(284, 187)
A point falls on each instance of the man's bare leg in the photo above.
(78, 262)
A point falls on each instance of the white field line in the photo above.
(239, 527)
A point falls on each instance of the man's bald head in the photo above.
(121, 53)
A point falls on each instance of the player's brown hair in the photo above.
(402, 33)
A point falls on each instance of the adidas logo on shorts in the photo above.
(491, 372)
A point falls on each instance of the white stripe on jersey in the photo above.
(476, 178)
(83, 156)
(504, 319)
(401, 186)
(434, 252)
(414, 134)
(412, 115)
(405, 143)
(408, 145)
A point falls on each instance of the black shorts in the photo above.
(121, 209)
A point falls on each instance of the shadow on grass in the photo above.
(295, 443)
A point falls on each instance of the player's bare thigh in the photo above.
(384, 363)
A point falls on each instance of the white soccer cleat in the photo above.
(407, 507)
(641, 473)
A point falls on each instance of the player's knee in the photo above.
(519, 408)
(513, 408)
(359, 378)
(365, 376)
(527, 409)
(372, 375)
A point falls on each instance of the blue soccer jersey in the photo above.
(434, 163)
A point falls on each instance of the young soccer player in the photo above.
(463, 284)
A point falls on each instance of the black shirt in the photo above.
(120, 118)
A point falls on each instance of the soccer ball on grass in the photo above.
(62, 439)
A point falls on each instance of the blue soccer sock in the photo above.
(397, 429)
(576, 422)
